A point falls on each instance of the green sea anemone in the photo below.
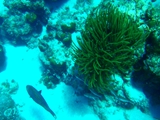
(107, 46)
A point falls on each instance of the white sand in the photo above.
(24, 66)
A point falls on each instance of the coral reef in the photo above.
(68, 28)
(38, 7)
(2, 57)
(16, 31)
(8, 109)
(49, 80)
(66, 38)
(55, 57)
(110, 43)
(121, 98)
(83, 2)
(24, 21)
(9, 87)
(31, 17)
(148, 75)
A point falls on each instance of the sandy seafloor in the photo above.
(24, 66)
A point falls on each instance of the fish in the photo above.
(38, 98)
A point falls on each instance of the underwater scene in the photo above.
(80, 60)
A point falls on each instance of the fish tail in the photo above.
(53, 114)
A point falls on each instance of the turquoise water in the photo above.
(37, 50)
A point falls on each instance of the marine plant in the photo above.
(31, 17)
(69, 28)
(56, 67)
(65, 38)
(107, 46)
